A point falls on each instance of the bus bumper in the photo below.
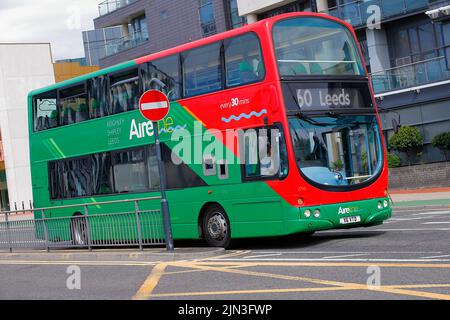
(364, 213)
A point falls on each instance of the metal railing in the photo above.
(356, 12)
(109, 6)
(125, 43)
(121, 223)
(411, 75)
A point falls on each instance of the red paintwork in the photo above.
(268, 95)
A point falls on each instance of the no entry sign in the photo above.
(154, 105)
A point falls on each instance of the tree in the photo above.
(442, 142)
(408, 140)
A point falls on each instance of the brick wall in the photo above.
(420, 176)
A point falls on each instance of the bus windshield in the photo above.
(337, 151)
(315, 46)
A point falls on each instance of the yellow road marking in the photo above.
(84, 263)
(200, 270)
(151, 282)
(294, 290)
(232, 292)
(329, 264)
(419, 286)
(326, 282)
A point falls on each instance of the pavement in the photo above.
(421, 197)
(406, 258)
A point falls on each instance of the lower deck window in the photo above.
(105, 173)
(264, 155)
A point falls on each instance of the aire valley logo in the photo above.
(348, 210)
(141, 130)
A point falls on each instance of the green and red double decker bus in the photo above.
(300, 75)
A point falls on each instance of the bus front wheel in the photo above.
(216, 227)
(78, 231)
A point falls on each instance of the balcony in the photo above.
(439, 10)
(109, 6)
(356, 12)
(436, 4)
(411, 75)
(126, 43)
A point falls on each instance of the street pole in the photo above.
(163, 183)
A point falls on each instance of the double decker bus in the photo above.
(300, 75)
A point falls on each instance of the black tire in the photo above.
(216, 227)
(78, 231)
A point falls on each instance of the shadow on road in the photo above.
(297, 241)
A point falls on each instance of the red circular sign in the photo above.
(154, 105)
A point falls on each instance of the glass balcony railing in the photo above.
(109, 6)
(435, 4)
(358, 12)
(125, 43)
(410, 75)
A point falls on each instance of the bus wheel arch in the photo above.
(214, 225)
(78, 229)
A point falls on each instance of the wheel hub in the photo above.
(217, 226)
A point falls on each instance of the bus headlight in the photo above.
(385, 203)
(307, 213)
(317, 213)
(380, 205)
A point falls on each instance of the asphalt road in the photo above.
(406, 258)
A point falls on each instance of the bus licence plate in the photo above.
(348, 220)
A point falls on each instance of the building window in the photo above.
(357, 12)
(95, 43)
(235, 20)
(291, 7)
(207, 19)
(414, 42)
(139, 28)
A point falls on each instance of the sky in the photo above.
(59, 22)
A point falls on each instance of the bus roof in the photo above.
(181, 48)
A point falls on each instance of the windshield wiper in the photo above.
(310, 120)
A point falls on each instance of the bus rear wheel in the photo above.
(78, 231)
(216, 227)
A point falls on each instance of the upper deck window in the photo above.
(98, 97)
(202, 70)
(163, 75)
(243, 58)
(315, 46)
(73, 105)
(124, 92)
(45, 111)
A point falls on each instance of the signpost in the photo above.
(154, 106)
